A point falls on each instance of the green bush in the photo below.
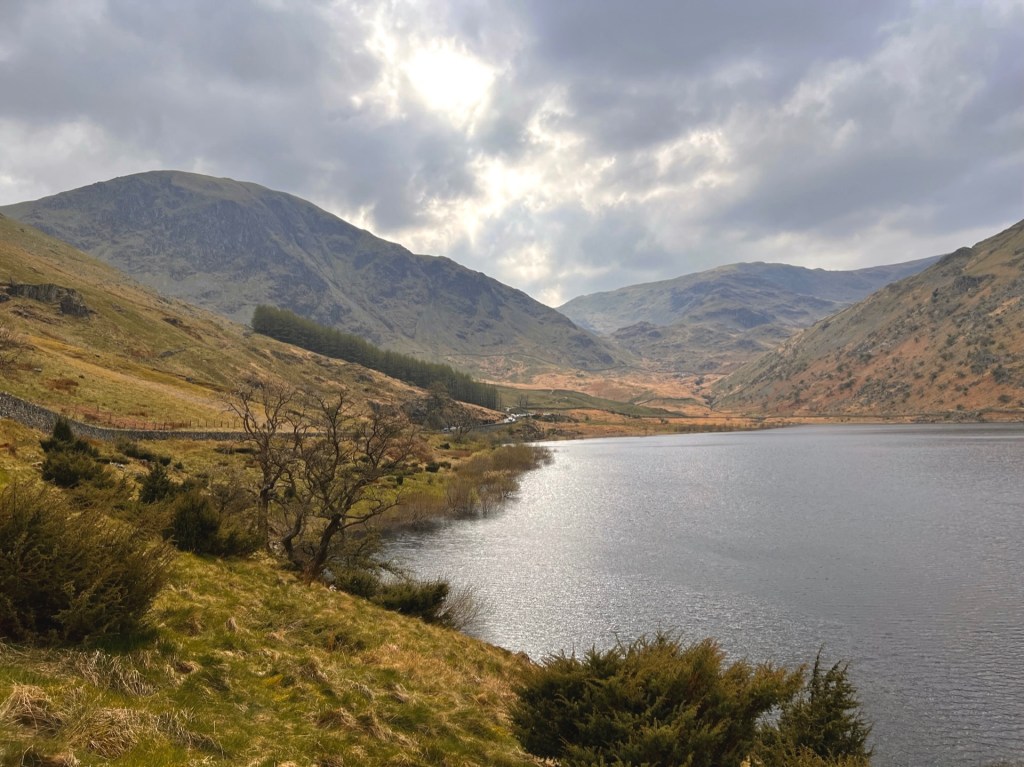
(156, 485)
(418, 599)
(63, 439)
(71, 462)
(195, 525)
(198, 527)
(71, 468)
(359, 583)
(824, 719)
(71, 577)
(429, 601)
(137, 451)
(652, 702)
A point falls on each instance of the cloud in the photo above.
(562, 147)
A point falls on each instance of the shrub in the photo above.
(359, 583)
(195, 524)
(198, 527)
(651, 702)
(63, 439)
(70, 462)
(71, 577)
(419, 599)
(156, 485)
(137, 451)
(823, 720)
(71, 468)
(431, 601)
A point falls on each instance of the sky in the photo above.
(563, 147)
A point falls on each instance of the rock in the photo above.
(69, 300)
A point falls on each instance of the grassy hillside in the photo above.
(948, 342)
(243, 664)
(229, 246)
(246, 666)
(712, 321)
(137, 357)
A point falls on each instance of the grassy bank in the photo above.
(244, 665)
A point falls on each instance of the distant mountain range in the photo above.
(945, 342)
(713, 321)
(229, 246)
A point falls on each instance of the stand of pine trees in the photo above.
(289, 327)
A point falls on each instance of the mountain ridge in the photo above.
(230, 246)
(713, 321)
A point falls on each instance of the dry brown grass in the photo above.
(29, 707)
(307, 675)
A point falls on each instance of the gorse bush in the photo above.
(652, 702)
(655, 703)
(63, 438)
(195, 525)
(418, 599)
(137, 451)
(69, 577)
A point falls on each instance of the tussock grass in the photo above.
(248, 666)
(29, 707)
(110, 672)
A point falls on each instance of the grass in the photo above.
(244, 665)
(138, 358)
(566, 399)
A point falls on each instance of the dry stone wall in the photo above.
(43, 419)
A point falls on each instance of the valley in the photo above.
(144, 372)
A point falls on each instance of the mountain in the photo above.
(77, 335)
(713, 321)
(946, 341)
(229, 246)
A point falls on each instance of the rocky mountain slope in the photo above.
(228, 246)
(715, 320)
(948, 341)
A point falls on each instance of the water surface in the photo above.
(898, 548)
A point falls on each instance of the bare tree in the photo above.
(346, 456)
(12, 346)
(323, 464)
(274, 428)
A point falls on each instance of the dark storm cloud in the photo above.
(616, 141)
(911, 129)
(638, 41)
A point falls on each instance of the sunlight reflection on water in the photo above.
(897, 548)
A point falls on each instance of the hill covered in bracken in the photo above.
(945, 343)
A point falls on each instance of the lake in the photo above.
(898, 548)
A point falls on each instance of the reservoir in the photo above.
(898, 548)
